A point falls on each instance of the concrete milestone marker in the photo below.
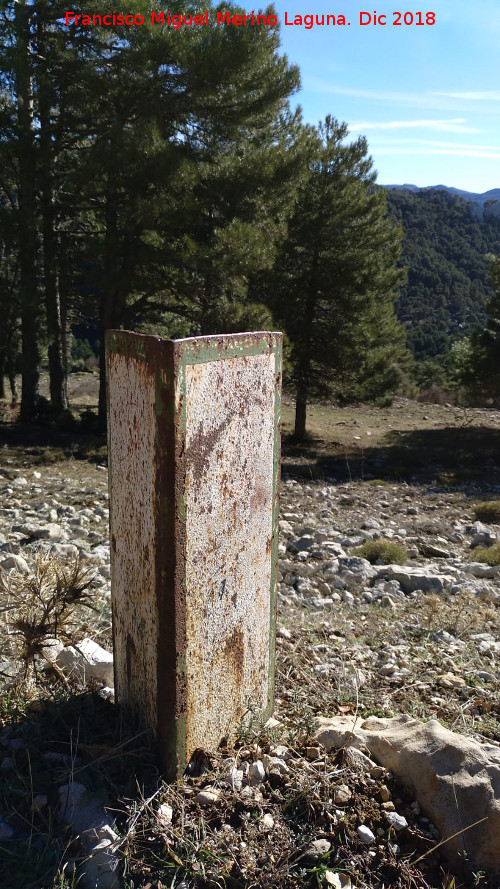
(194, 466)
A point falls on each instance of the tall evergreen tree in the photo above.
(174, 159)
(482, 366)
(336, 277)
(129, 145)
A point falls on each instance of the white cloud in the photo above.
(447, 101)
(454, 125)
(488, 154)
(437, 144)
(472, 95)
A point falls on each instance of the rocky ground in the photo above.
(353, 637)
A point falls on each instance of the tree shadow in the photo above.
(449, 456)
(45, 744)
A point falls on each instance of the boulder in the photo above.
(411, 579)
(456, 781)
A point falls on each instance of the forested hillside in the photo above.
(445, 249)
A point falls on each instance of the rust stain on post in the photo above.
(194, 465)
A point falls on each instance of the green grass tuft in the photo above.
(382, 550)
(488, 555)
(489, 511)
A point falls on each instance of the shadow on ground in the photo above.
(46, 744)
(446, 456)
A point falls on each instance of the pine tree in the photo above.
(482, 366)
(186, 174)
(336, 277)
(128, 144)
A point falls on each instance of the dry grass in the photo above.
(43, 605)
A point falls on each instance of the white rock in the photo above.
(411, 579)
(235, 779)
(398, 822)
(341, 795)
(85, 815)
(365, 834)
(274, 764)
(266, 822)
(338, 881)
(165, 814)
(51, 648)
(317, 849)
(257, 773)
(64, 550)
(87, 661)
(15, 563)
(456, 780)
(20, 482)
(207, 796)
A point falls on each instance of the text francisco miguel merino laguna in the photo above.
(222, 18)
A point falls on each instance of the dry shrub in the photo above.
(489, 511)
(489, 555)
(43, 605)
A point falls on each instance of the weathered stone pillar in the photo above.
(194, 464)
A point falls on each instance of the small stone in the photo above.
(235, 779)
(281, 751)
(318, 848)
(485, 676)
(251, 795)
(449, 680)
(341, 795)
(338, 881)
(165, 814)
(398, 822)
(20, 482)
(207, 796)
(6, 831)
(387, 602)
(313, 753)
(384, 793)
(365, 834)
(64, 550)
(274, 764)
(266, 822)
(17, 563)
(256, 773)
(388, 806)
(283, 633)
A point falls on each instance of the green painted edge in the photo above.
(200, 350)
(275, 526)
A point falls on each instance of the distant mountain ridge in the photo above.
(492, 195)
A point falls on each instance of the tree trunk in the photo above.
(305, 353)
(3, 364)
(57, 369)
(112, 303)
(299, 431)
(28, 279)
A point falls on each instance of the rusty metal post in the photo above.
(193, 436)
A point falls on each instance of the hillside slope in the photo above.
(445, 246)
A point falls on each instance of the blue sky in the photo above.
(426, 97)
